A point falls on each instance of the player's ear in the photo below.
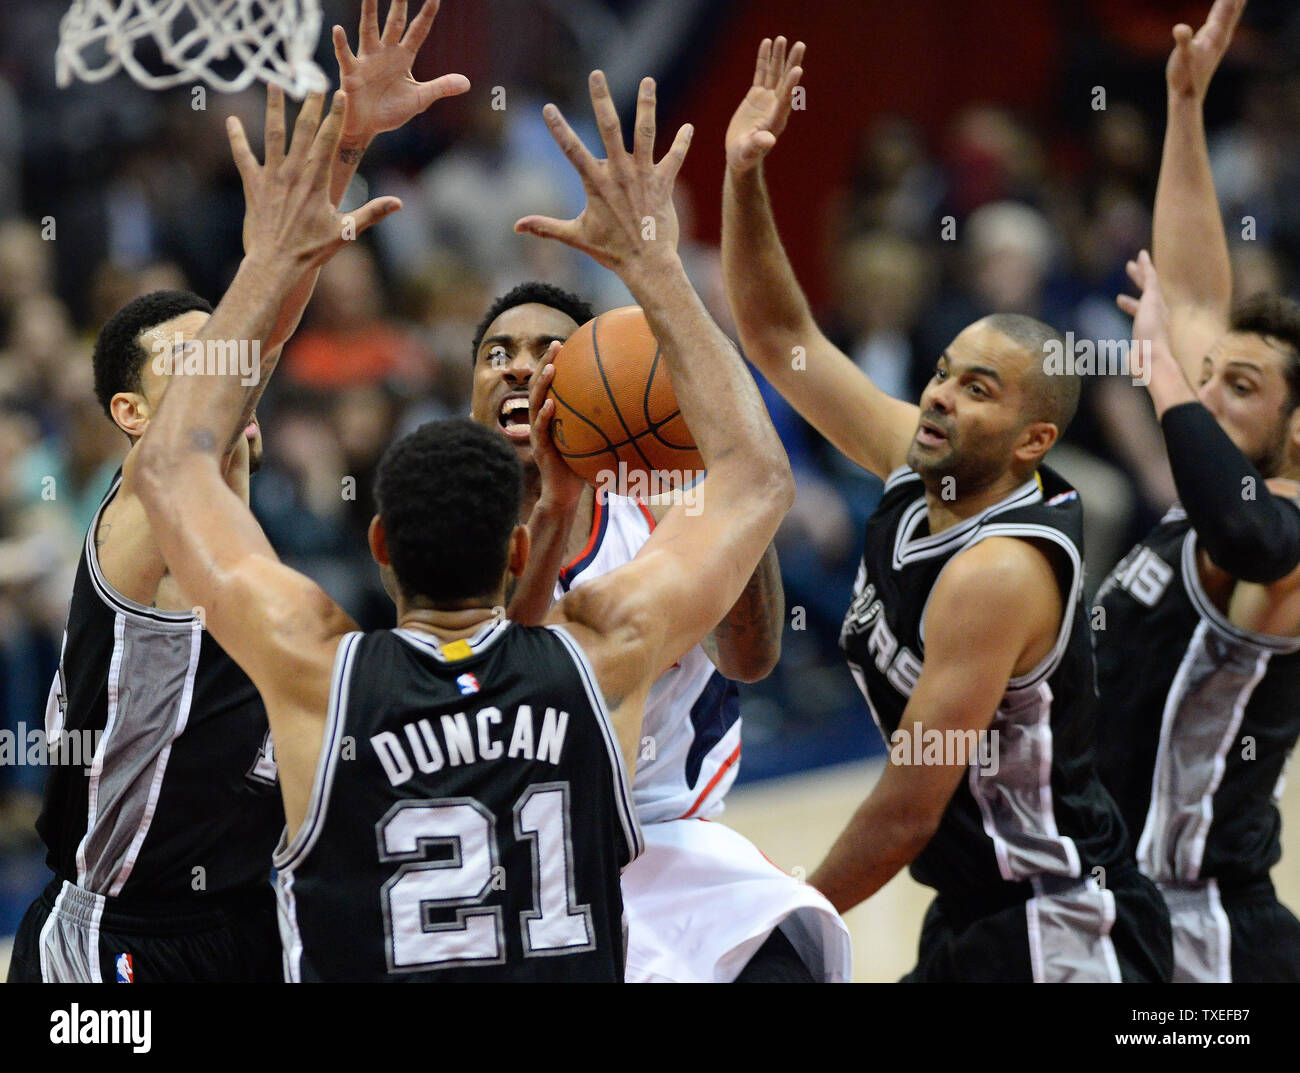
(1293, 435)
(1035, 441)
(518, 554)
(378, 541)
(130, 412)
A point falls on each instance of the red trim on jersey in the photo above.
(650, 518)
(598, 508)
(712, 783)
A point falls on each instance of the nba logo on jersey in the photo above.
(468, 684)
(125, 970)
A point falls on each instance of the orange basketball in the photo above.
(617, 422)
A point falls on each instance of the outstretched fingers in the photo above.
(304, 128)
(761, 64)
(452, 85)
(611, 130)
(1221, 22)
(273, 134)
(569, 142)
(777, 65)
(671, 164)
(541, 384)
(324, 146)
(643, 136)
(548, 227)
(420, 26)
(795, 58)
(369, 25)
(239, 148)
(395, 24)
(370, 214)
(347, 61)
(1141, 270)
(785, 97)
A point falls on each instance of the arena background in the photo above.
(1035, 125)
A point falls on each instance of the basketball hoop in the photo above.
(273, 40)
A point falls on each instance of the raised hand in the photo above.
(560, 485)
(629, 209)
(382, 94)
(1152, 360)
(762, 115)
(288, 215)
(1150, 314)
(1196, 56)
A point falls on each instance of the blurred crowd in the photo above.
(111, 191)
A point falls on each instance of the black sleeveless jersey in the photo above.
(469, 819)
(162, 787)
(1197, 717)
(1032, 805)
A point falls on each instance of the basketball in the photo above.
(617, 422)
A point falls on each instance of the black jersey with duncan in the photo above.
(180, 803)
(1197, 718)
(469, 818)
(1031, 805)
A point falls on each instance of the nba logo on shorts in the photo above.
(125, 970)
(468, 684)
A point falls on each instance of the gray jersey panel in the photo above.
(1069, 934)
(1202, 714)
(1015, 793)
(1202, 934)
(152, 679)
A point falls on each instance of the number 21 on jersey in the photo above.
(554, 925)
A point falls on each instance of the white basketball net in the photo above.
(272, 39)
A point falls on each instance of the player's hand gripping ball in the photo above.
(617, 423)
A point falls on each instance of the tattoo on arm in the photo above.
(101, 535)
(201, 439)
(754, 622)
(350, 156)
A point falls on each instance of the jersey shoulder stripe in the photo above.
(1217, 620)
(109, 595)
(599, 523)
(1071, 597)
(622, 786)
(289, 854)
(909, 548)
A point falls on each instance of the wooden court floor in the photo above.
(794, 820)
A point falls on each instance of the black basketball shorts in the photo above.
(70, 935)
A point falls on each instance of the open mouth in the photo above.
(928, 434)
(512, 416)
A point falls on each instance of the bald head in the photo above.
(1050, 397)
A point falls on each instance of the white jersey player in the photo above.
(702, 903)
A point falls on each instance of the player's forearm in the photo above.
(1168, 385)
(719, 400)
(1245, 530)
(548, 533)
(766, 300)
(346, 162)
(877, 844)
(746, 645)
(1189, 244)
(206, 413)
